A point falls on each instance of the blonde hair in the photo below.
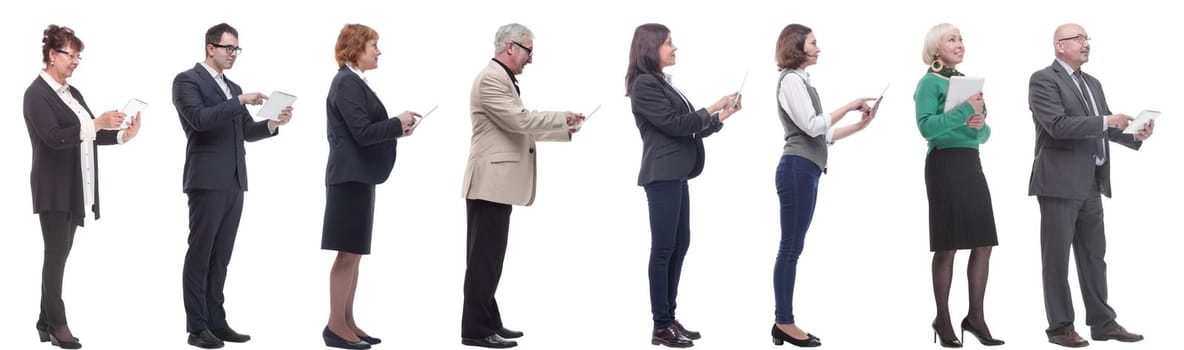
(933, 40)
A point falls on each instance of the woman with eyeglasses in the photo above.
(672, 133)
(65, 183)
(960, 213)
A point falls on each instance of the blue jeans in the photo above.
(670, 235)
(797, 189)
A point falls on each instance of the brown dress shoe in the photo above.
(670, 337)
(1068, 339)
(1119, 334)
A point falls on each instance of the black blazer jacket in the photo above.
(672, 131)
(362, 138)
(56, 178)
(215, 157)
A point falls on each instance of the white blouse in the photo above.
(795, 101)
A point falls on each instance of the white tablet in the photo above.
(133, 107)
(422, 117)
(1141, 121)
(276, 104)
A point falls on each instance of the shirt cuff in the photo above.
(1104, 126)
(119, 137)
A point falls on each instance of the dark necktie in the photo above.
(1100, 152)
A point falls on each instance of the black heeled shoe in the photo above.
(780, 338)
(945, 343)
(334, 341)
(47, 335)
(986, 340)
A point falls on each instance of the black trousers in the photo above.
(488, 229)
(213, 225)
(58, 231)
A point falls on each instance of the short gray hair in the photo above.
(933, 40)
(508, 33)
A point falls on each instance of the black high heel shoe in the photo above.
(53, 340)
(780, 337)
(43, 333)
(945, 343)
(986, 340)
(334, 341)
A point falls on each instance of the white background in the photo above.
(575, 273)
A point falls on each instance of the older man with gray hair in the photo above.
(500, 174)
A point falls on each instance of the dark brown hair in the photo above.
(214, 34)
(57, 38)
(791, 46)
(643, 53)
(351, 43)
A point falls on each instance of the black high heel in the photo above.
(945, 343)
(780, 338)
(986, 340)
(53, 340)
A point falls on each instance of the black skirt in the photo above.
(960, 214)
(349, 217)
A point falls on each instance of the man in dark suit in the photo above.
(216, 123)
(1069, 174)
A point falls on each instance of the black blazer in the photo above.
(216, 127)
(56, 178)
(672, 131)
(362, 138)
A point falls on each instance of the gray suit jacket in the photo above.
(1066, 136)
(672, 131)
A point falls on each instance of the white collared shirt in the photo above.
(795, 101)
(358, 72)
(219, 78)
(1098, 160)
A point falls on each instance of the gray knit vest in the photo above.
(797, 142)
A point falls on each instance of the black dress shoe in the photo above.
(780, 338)
(670, 337)
(1119, 334)
(1068, 339)
(205, 340)
(227, 334)
(70, 344)
(692, 335)
(508, 333)
(334, 341)
(986, 339)
(370, 340)
(492, 341)
(43, 333)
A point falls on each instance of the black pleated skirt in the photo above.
(349, 217)
(960, 214)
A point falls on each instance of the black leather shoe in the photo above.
(370, 340)
(334, 341)
(780, 337)
(1068, 339)
(492, 341)
(692, 335)
(670, 337)
(205, 340)
(508, 333)
(43, 333)
(227, 334)
(1119, 334)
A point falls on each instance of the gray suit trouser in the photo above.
(1075, 223)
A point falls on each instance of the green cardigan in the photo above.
(945, 130)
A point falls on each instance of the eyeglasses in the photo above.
(529, 51)
(73, 57)
(229, 48)
(1080, 39)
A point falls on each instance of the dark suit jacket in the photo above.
(215, 157)
(54, 129)
(672, 131)
(362, 138)
(1066, 136)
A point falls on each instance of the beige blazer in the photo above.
(502, 155)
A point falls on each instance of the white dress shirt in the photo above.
(220, 79)
(1099, 160)
(795, 101)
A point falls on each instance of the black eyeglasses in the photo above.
(1080, 39)
(69, 54)
(529, 51)
(230, 48)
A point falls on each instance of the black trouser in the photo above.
(213, 225)
(58, 231)
(488, 229)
